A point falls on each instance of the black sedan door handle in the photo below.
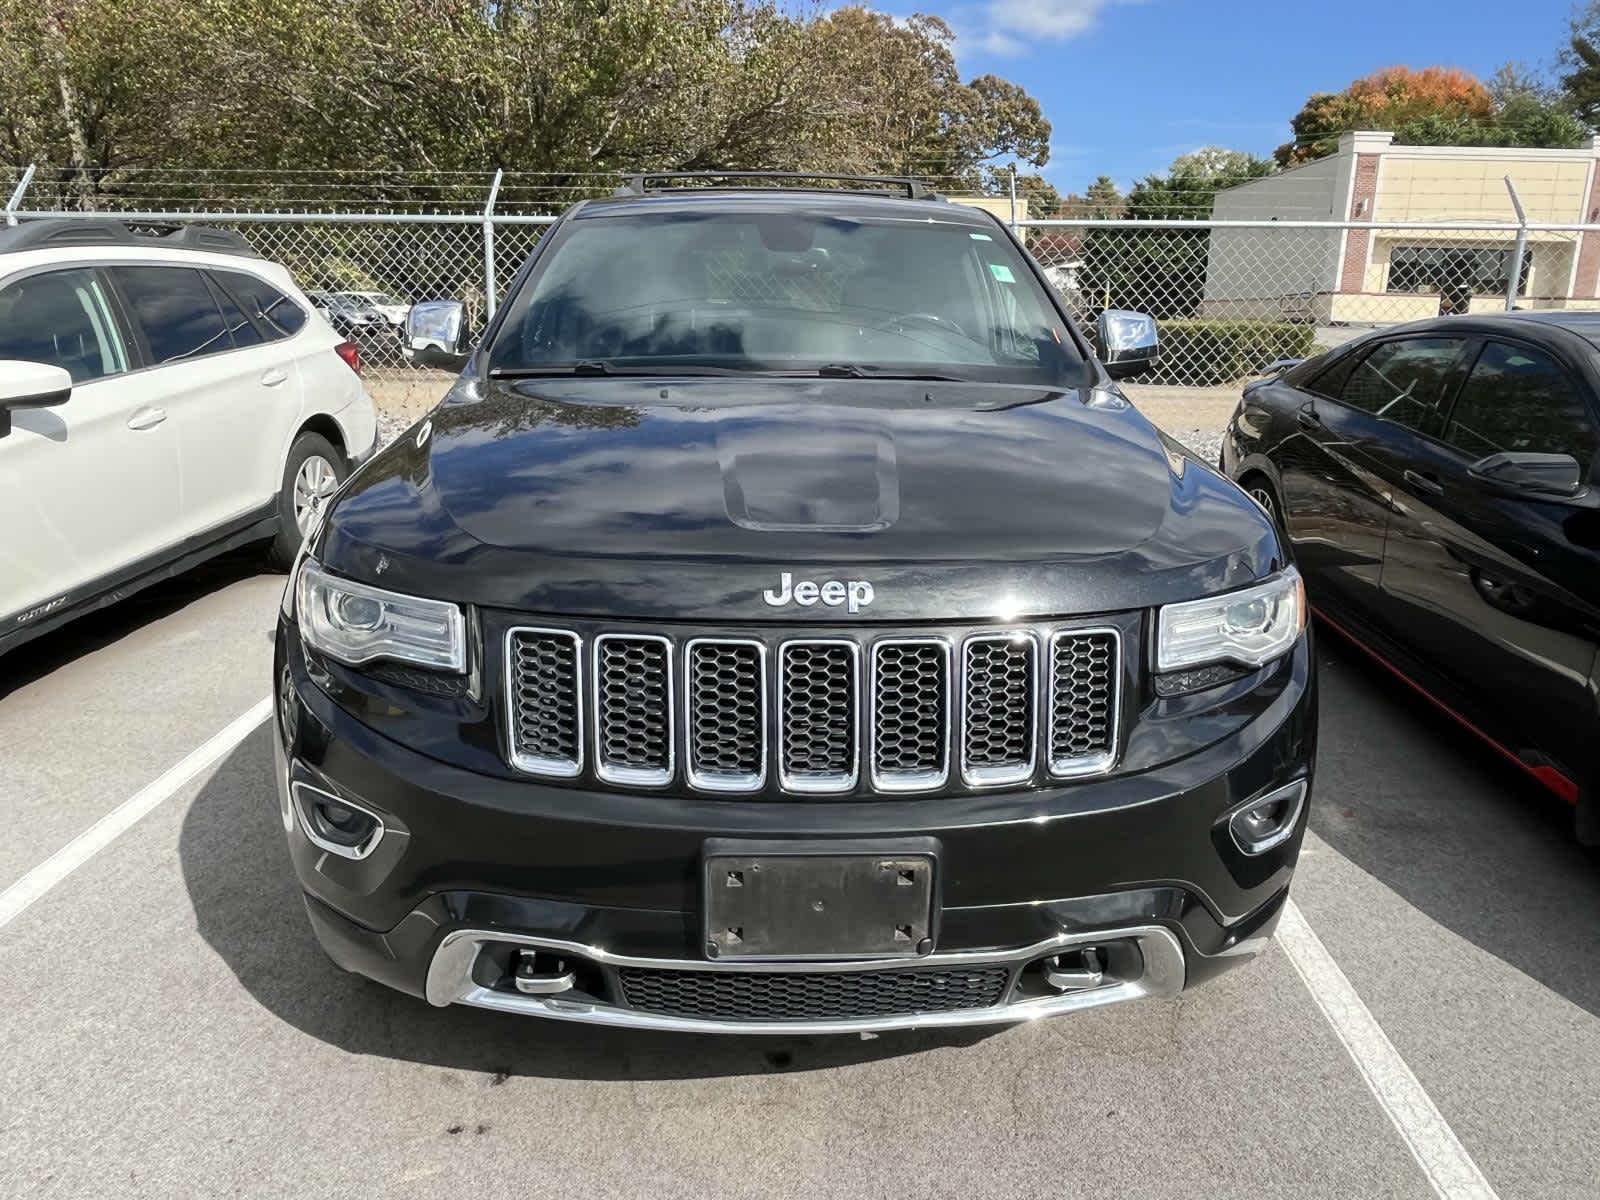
(1424, 483)
(1308, 419)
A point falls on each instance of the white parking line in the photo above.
(37, 882)
(1443, 1159)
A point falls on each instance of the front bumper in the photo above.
(471, 870)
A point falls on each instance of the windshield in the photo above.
(785, 292)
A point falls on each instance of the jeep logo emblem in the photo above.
(856, 594)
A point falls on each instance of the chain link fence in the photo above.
(1230, 297)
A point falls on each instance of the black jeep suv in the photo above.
(785, 623)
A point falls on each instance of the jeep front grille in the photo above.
(817, 687)
(999, 687)
(910, 714)
(633, 709)
(863, 713)
(1083, 694)
(727, 711)
(545, 672)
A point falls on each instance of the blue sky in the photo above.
(1130, 84)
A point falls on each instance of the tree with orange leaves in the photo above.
(1431, 106)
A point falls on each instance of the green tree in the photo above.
(1434, 106)
(1580, 61)
(1163, 271)
(1103, 200)
(576, 88)
(1043, 200)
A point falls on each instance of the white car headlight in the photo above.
(356, 623)
(1249, 627)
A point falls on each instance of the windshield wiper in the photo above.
(867, 371)
(596, 366)
(584, 366)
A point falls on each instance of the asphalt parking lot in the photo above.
(172, 1029)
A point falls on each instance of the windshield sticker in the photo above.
(1002, 272)
(980, 237)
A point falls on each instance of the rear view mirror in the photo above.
(30, 385)
(1129, 343)
(1534, 474)
(436, 333)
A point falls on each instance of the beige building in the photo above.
(999, 206)
(1370, 276)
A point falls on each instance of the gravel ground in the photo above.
(1195, 416)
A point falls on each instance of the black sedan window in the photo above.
(1403, 381)
(1520, 400)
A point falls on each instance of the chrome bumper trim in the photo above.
(450, 981)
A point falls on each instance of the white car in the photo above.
(162, 399)
(390, 309)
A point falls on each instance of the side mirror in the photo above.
(1129, 343)
(1554, 475)
(436, 332)
(30, 385)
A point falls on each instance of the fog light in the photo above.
(336, 824)
(1267, 821)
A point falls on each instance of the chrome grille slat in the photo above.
(1084, 697)
(633, 734)
(910, 713)
(726, 705)
(818, 734)
(999, 707)
(544, 672)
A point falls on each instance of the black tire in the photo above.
(295, 491)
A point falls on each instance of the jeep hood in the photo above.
(687, 498)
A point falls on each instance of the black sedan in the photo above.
(1438, 484)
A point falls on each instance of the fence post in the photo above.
(1014, 199)
(16, 196)
(488, 245)
(1514, 283)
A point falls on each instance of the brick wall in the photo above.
(1352, 273)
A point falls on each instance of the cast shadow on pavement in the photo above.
(1429, 811)
(247, 908)
(38, 658)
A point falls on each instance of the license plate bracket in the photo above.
(831, 901)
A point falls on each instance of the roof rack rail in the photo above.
(64, 232)
(641, 183)
(212, 240)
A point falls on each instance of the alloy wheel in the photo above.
(313, 484)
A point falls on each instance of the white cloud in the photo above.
(1002, 44)
(1015, 24)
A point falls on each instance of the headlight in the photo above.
(1249, 627)
(356, 623)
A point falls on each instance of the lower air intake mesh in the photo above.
(808, 996)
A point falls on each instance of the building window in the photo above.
(1455, 273)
